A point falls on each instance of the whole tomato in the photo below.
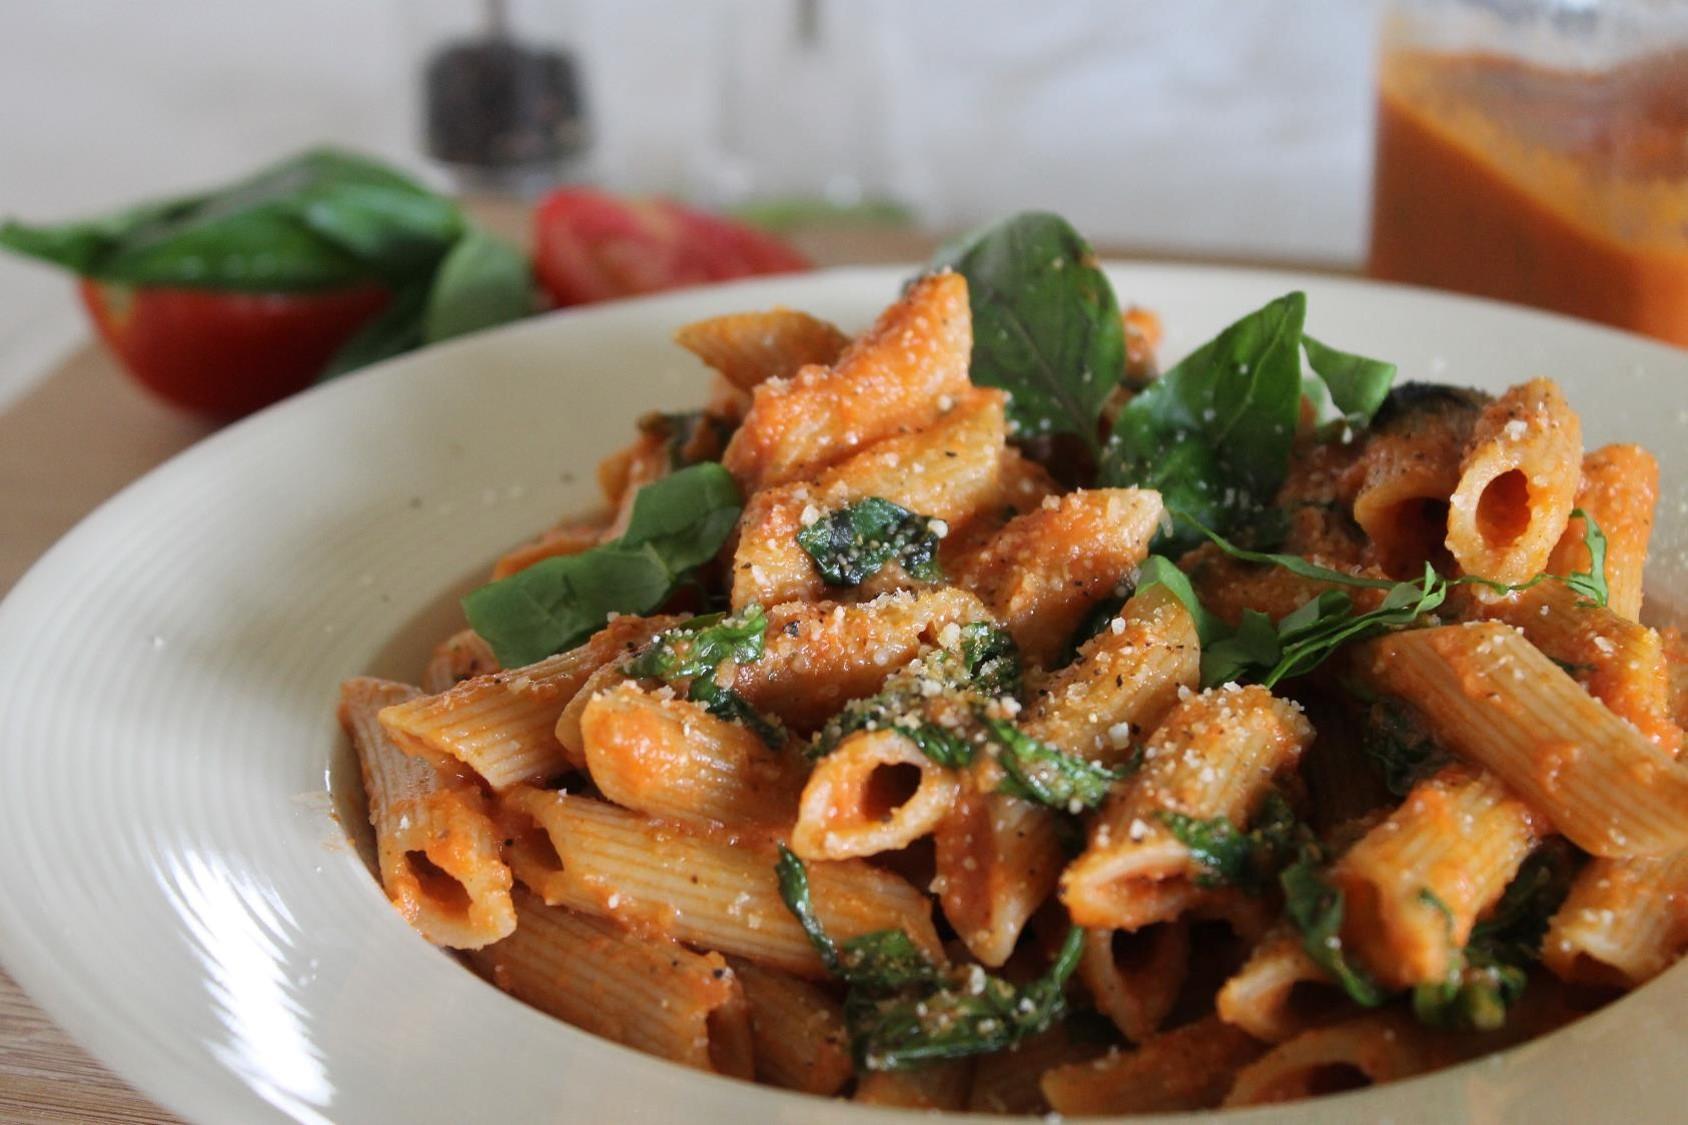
(225, 354)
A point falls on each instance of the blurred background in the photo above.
(1206, 128)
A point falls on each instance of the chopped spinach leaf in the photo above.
(689, 436)
(699, 646)
(1396, 740)
(1316, 908)
(1046, 325)
(728, 704)
(677, 523)
(850, 545)
(1036, 771)
(1229, 856)
(991, 658)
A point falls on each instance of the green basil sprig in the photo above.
(1046, 326)
(902, 1010)
(678, 522)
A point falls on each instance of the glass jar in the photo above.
(1537, 151)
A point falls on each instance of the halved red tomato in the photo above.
(592, 246)
(226, 354)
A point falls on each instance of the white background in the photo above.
(1234, 128)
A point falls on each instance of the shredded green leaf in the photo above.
(852, 544)
(695, 650)
(903, 1010)
(1396, 740)
(677, 523)
(1316, 909)
(1036, 771)
(1232, 857)
(1591, 583)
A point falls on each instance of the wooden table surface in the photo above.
(82, 434)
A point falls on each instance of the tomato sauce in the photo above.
(1563, 189)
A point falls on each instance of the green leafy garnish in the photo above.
(1036, 771)
(1158, 570)
(678, 522)
(850, 545)
(1490, 974)
(1046, 326)
(1396, 740)
(931, 700)
(319, 220)
(1316, 908)
(1357, 385)
(699, 646)
(481, 282)
(1591, 583)
(690, 436)
(1213, 435)
(1231, 857)
(696, 649)
(903, 1010)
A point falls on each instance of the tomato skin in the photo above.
(592, 246)
(223, 354)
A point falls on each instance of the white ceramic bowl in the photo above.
(177, 891)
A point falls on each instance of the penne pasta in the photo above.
(1280, 991)
(998, 858)
(1180, 1071)
(645, 992)
(944, 473)
(1365, 1051)
(1624, 922)
(669, 757)
(503, 725)
(822, 655)
(797, 1029)
(1045, 570)
(1408, 471)
(899, 376)
(566, 539)
(1415, 884)
(1012, 1081)
(1620, 663)
(435, 845)
(711, 890)
(1135, 977)
(1620, 489)
(1214, 755)
(1122, 682)
(876, 792)
(461, 656)
(750, 348)
(1491, 697)
(1517, 483)
(939, 1085)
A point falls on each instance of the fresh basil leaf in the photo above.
(1357, 385)
(975, 1013)
(990, 658)
(1213, 435)
(1046, 326)
(1036, 771)
(1591, 583)
(1158, 570)
(699, 646)
(481, 283)
(725, 703)
(1397, 741)
(881, 960)
(1242, 654)
(318, 220)
(395, 330)
(1316, 907)
(852, 544)
(685, 516)
(1231, 857)
(678, 522)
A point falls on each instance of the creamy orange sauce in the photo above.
(1563, 189)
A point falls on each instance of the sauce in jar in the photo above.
(1557, 188)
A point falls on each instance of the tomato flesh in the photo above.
(591, 246)
(226, 354)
